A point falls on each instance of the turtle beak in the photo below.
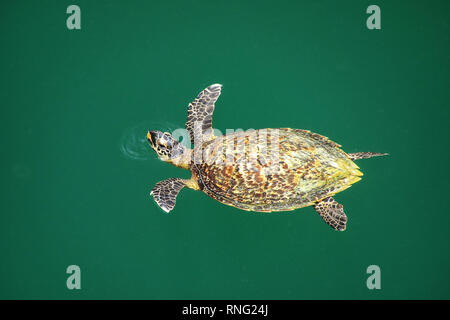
(151, 137)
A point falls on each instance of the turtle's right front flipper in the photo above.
(165, 193)
(200, 111)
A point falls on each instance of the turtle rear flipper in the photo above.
(332, 213)
(165, 192)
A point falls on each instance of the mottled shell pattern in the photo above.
(273, 169)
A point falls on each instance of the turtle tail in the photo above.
(365, 155)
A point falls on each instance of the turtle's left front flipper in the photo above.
(165, 193)
(332, 213)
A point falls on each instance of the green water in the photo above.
(76, 170)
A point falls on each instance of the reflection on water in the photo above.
(133, 143)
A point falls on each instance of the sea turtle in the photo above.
(257, 170)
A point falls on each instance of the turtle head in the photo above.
(168, 149)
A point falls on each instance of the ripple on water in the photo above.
(133, 143)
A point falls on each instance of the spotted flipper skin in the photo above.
(332, 213)
(200, 111)
(365, 155)
(165, 193)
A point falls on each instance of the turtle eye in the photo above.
(161, 143)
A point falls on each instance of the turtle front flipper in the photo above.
(332, 213)
(165, 193)
(200, 111)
